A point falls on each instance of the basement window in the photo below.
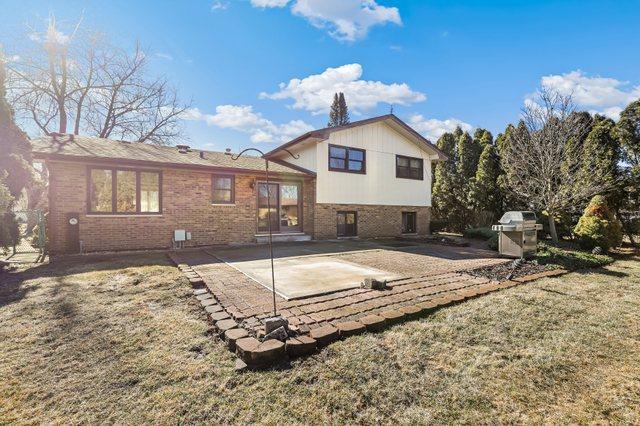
(123, 191)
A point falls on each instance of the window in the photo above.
(345, 159)
(347, 224)
(223, 189)
(409, 222)
(126, 191)
(149, 192)
(123, 191)
(409, 167)
(101, 191)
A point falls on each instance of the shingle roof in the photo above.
(84, 148)
(324, 133)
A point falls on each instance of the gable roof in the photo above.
(92, 149)
(322, 134)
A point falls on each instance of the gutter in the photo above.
(304, 173)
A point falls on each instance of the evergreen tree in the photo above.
(15, 168)
(486, 194)
(15, 171)
(467, 166)
(598, 226)
(444, 200)
(334, 112)
(629, 132)
(601, 151)
(468, 156)
(344, 110)
(339, 112)
(503, 143)
(482, 137)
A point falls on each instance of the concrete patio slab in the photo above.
(301, 276)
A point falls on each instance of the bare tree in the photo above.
(79, 84)
(543, 159)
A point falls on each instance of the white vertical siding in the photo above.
(379, 186)
(307, 154)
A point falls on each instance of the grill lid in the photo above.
(517, 217)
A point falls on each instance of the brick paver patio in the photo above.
(427, 272)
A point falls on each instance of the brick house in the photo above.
(370, 178)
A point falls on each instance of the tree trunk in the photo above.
(552, 228)
(626, 228)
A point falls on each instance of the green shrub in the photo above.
(9, 231)
(634, 226)
(479, 233)
(598, 226)
(437, 225)
(564, 224)
(493, 242)
(570, 259)
(487, 234)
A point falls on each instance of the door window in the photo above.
(409, 222)
(347, 224)
(263, 207)
(289, 206)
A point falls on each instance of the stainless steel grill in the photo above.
(518, 234)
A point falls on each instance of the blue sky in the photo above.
(441, 63)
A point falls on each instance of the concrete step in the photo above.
(283, 238)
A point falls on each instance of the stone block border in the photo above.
(254, 353)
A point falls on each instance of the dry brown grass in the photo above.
(120, 340)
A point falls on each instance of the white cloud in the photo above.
(52, 36)
(345, 20)
(603, 95)
(315, 92)
(433, 128)
(219, 5)
(165, 56)
(269, 3)
(243, 119)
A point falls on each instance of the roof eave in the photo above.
(159, 164)
(324, 133)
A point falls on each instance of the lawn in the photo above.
(121, 340)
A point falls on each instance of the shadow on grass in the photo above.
(13, 287)
(334, 248)
(603, 271)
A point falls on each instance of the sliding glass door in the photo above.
(263, 209)
(286, 207)
(290, 207)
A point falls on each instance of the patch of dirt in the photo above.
(506, 271)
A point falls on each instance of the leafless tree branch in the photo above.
(544, 161)
(79, 84)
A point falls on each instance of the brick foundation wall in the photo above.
(373, 221)
(186, 204)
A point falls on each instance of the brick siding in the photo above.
(186, 204)
(372, 220)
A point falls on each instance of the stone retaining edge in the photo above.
(257, 355)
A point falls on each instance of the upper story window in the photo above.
(223, 189)
(124, 191)
(345, 159)
(409, 167)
